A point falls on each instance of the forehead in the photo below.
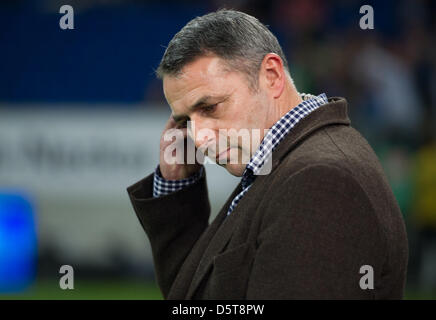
(207, 75)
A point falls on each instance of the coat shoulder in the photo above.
(339, 147)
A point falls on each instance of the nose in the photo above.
(203, 132)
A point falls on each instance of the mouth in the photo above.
(222, 155)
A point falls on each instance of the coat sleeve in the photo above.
(318, 230)
(173, 223)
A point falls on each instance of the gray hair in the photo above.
(236, 37)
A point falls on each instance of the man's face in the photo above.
(214, 98)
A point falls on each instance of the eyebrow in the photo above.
(200, 103)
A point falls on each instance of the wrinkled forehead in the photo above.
(206, 75)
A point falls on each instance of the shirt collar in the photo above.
(277, 133)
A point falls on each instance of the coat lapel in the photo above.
(217, 243)
(190, 268)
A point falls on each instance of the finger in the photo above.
(173, 135)
(171, 123)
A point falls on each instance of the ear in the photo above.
(272, 74)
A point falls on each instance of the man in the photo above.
(320, 222)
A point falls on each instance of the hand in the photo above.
(176, 171)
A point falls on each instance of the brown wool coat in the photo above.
(301, 232)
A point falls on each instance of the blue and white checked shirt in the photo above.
(270, 141)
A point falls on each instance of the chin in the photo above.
(234, 169)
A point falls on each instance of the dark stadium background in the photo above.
(81, 112)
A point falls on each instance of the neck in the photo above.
(288, 100)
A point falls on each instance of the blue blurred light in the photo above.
(18, 243)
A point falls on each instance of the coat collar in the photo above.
(334, 112)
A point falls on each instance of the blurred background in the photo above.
(81, 113)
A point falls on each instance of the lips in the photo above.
(222, 154)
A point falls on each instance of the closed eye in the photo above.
(209, 109)
(182, 123)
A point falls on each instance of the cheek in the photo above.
(253, 115)
(244, 114)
